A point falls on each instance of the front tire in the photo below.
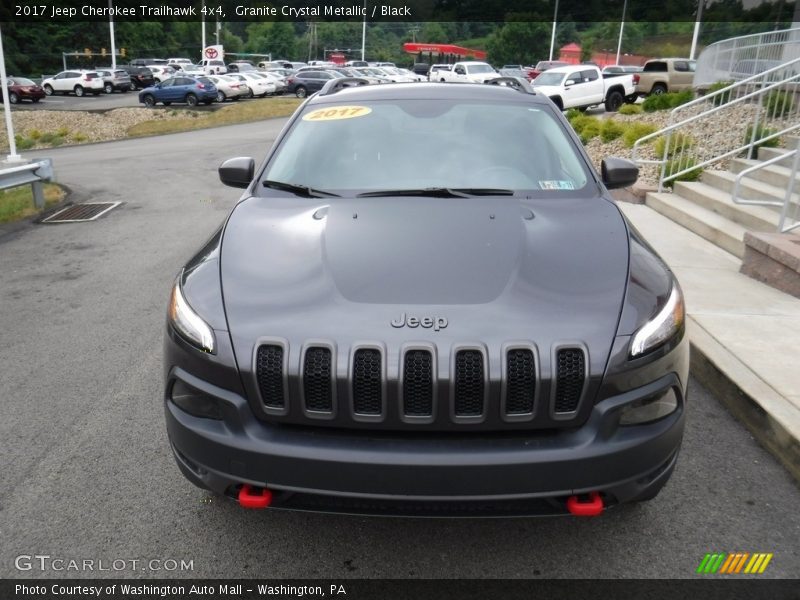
(191, 99)
(301, 91)
(221, 96)
(149, 101)
(78, 91)
(108, 88)
(613, 101)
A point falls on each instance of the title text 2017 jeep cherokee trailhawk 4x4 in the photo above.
(426, 303)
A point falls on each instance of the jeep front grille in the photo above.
(570, 379)
(318, 380)
(520, 381)
(418, 384)
(269, 372)
(367, 382)
(469, 388)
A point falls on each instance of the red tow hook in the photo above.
(254, 497)
(585, 508)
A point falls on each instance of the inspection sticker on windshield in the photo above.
(335, 114)
(556, 184)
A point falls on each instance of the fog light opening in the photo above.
(650, 409)
(194, 401)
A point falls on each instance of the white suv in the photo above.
(77, 81)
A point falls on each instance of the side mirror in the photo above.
(237, 172)
(618, 172)
(569, 82)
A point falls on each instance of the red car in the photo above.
(20, 88)
(544, 65)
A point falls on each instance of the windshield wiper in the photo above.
(300, 190)
(440, 192)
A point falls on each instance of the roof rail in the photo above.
(335, 85)
(518, 83)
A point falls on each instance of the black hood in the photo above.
(496, 269)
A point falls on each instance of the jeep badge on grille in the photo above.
(427, 322)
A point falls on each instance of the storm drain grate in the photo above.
(77, 213)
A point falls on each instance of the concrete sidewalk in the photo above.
(745, 335)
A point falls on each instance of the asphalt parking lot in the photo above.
(87, 473)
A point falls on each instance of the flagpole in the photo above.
(553, 35)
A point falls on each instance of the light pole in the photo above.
(203, 21)
(13, 157)
(621, 29)
(111, 30)
(553, 34)
(364, 32)
(696, 34)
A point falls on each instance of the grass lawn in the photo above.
(235, 112)
(17, 203)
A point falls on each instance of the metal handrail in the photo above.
(32, 174)
(787, 200)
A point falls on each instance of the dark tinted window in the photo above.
(589, 75)
(655, 67)
(682, 65)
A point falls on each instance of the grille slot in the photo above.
(469, 384)
(520, 381)
(418, 383)
(570, 379)
(269, 372)
(367, 382)
(317, 389)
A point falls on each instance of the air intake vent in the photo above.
(520, 381)
(269, 372)
(317, 383)
(418, 383)
(469, 384)
(570, 379)
(367, 382)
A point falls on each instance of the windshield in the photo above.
(418, 144)
(549, 79)
(479, 69)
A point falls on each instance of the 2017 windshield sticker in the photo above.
(338, 113)
(556, 184)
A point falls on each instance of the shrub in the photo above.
(723, 98)
(761, 132)
(573, 113)
(666, 101)
(46, 138)
(24, 143)
(634, 131)
(62, 132)
(611, 130)
(679, 164)
(589, 130)
(677, 142)
(79, 137)
(779, 104)
(57, 141)
(34, 134)
(630, 109)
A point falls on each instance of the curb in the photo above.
(770, 418)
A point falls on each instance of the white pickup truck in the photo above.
(582, 86)
(468, 72)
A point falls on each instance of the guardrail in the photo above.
(739, 57)
(728, 122)
(787, 205)
(33, 174)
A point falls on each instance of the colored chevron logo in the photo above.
(733, 564)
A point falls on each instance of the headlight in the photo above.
(662, 327)
(187, 323)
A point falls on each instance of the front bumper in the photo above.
(519, 473)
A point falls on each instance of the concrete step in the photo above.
(776, 175)
(755, 218)
(750, 189)
(707, 224)
(768, 153)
